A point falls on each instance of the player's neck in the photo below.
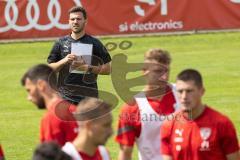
(77, 35)
(83, 144)
(195, 113)
(50, 98)
(154, 93)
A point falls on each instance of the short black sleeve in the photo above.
(102, 52)
(54, 55)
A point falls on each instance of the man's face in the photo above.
(189, 94)
(156, 74)
(77, 22)
(33, 94)
(102, 129)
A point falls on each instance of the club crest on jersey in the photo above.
(205, 134)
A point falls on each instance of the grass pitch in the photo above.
(216, 56)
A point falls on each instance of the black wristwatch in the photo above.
(90, 69)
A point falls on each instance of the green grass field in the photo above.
(215, 55)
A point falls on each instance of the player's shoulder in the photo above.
(64, 39)
(46, 118)
(171, 88)
(63, 111)
(103, 151)
(130, 107)
(218, 116)
(59, 109)
(92, 39)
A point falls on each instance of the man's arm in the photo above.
(165, 134)
(56, 66)
(55, 60)
(103, 69)
(103, 57)
(128, 130)
(228, 140)
(125, 152)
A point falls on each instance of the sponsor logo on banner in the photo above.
(49, 18)
(33, 19)
(151, 25)
(163, 10)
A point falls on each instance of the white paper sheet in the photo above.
(82, 50)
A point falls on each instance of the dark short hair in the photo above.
(159, 55)
(78, 9)
(40, 71)
(50, 151)
(191, 75)
(92, 108)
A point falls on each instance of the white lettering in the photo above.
(141, 12)
(164, 9)
(151, 26)
(33, 19)
(123, 27)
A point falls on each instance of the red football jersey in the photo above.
(211, 136)
(96, 156)
(129, 123)
(55, 124)
(101, 153)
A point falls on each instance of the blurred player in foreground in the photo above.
(197, 132)
(140, 120)
(95, 122)
(56, 124)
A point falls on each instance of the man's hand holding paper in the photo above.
(79, 64)
(84, 57)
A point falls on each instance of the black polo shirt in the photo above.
(75, 86)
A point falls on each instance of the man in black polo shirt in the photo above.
(74, 86)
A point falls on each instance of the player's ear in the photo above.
(87, 124)
(69, 20)
(146, 68)
(202, 91)
(145, 72)
(85, 23)
(41, 84)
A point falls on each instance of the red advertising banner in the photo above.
(49, 18)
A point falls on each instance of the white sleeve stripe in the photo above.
(104, 153)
